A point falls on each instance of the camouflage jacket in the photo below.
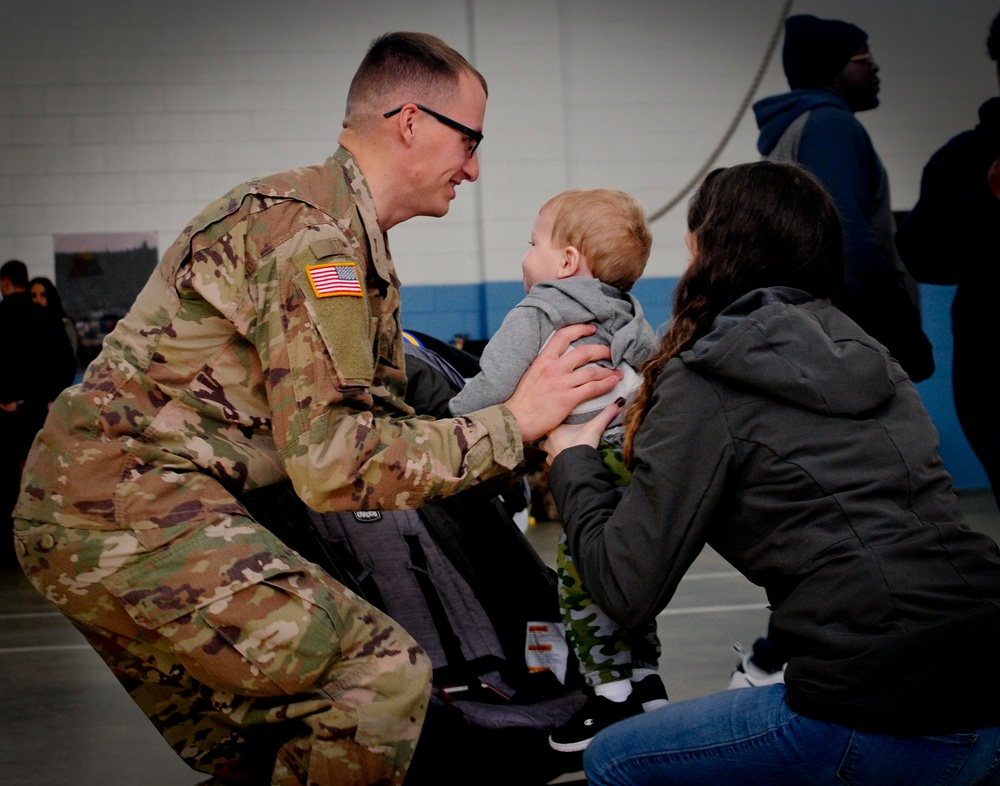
(266, 345)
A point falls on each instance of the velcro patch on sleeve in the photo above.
(334, 279)
(344, 323)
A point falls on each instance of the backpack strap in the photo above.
(450, 642)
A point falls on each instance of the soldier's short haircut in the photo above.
(420, 62)
(608, 227)
(16, 272)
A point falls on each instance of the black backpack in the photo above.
(464, 581)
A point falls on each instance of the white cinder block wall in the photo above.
(130, 115)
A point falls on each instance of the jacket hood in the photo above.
(572, 300)
(775, 113)
(790, 346)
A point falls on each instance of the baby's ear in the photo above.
(573, 263)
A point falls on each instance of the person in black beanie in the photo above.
(952, 236)
(832, 75)
(816, 50)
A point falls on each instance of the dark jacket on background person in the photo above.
(952, 236)
(36, 363)
(817, 129)
(792, 443)
(35, 352)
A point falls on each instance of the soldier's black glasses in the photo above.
(475, 136)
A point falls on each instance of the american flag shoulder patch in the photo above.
(335, 279)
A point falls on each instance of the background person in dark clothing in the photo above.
(44, 293)
(37, 362)
(952, 236)
(832, 76)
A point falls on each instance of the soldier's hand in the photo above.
(555, 382)
(993, 178)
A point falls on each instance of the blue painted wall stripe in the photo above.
(445, 311)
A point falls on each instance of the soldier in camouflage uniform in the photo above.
(267, 346)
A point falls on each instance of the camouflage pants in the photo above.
(606, 652)
(290, 679)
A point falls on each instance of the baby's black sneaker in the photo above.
(598, 713)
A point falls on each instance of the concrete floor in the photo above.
(66, 720)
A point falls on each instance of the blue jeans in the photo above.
(749, 736)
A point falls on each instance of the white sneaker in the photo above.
(748, 674)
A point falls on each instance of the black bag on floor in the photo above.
(463, 580)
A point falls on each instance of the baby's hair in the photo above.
(608, 227)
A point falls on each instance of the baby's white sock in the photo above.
(619, 690)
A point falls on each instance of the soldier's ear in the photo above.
(404, 123)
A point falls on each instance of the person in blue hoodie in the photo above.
(832, 76)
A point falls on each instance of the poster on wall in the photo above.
(98, 276)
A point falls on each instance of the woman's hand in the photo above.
(555, 382)
(589, 433)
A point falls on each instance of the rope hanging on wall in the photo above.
(769, 52)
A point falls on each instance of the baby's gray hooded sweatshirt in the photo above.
(549, 306)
